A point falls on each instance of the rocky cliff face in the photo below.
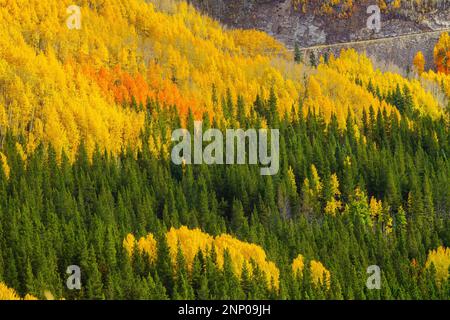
(313, 25)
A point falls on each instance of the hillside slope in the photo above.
(93, 85)
(362, 168)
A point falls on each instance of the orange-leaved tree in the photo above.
(442, 54)
(419, 62)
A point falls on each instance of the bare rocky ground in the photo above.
(290, 26)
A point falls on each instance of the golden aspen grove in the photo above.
(86, 177)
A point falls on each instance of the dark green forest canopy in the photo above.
(54, 213)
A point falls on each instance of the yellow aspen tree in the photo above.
(419, 62)
(5, 166)
(335, 185)
(319, 274)
(316, 183)
(21, 152)
(291, 179)
(298, 265)
(148, 246)
(191, 241)
(442, 53)
(389, 223)
(7, 293)
(334, 205)
(10, 294)
(440, 258)
(376, 209)
(129, 243)
(314, 89)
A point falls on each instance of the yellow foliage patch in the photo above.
(10, 294)
(442, 53)
(129, 243)
(441, 80)
(191, 241)
(7, 293)
(148, 246)
(4, 163)
(336, 90)
(145, 245)
(440, 258)
(63, 86)
(319, 274)
(298, 265)
(241, 253)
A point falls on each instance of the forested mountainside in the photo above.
(86, 179)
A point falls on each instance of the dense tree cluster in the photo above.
(64, 86)
(86, 178)
(442, 53)
(390, 180)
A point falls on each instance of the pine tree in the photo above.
(298, 55)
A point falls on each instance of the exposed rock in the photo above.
(280, 19)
